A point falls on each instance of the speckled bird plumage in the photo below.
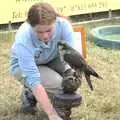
(77, 62)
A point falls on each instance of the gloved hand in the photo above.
(71, 81)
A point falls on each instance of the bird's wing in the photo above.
(74, 60)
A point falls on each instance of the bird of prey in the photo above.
(77, 62)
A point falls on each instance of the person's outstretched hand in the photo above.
(54, 117)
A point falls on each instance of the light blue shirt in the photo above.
(27, 51)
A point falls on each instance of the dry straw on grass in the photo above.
(101, 104)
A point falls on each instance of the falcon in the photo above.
(77, 62)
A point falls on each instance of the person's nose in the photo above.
(45, 35)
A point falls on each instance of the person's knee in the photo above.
(50, 78)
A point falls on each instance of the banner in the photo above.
(16, 10)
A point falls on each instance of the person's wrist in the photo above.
(54, 117)
(51, 112)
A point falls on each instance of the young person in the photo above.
(35, 58)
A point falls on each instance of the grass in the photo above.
(101, 104)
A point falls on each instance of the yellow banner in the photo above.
(16, 10)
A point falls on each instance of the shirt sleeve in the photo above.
(27, 64)
(67, 33)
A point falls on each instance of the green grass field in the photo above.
(101, 104)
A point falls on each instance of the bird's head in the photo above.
(62, 45)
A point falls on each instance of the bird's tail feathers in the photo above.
(89, 81)
(91, 71)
